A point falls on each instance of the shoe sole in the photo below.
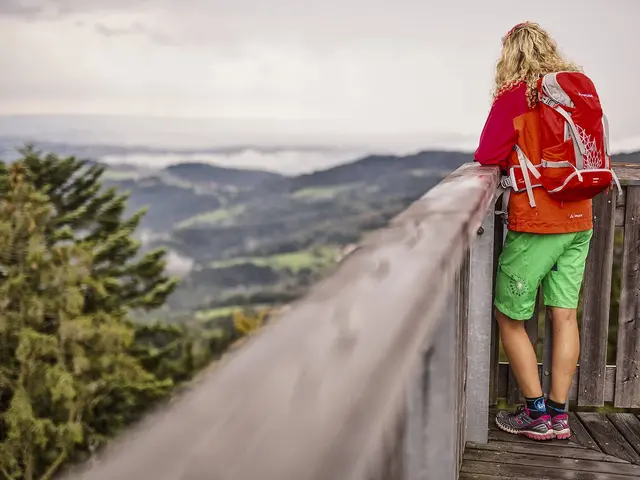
(564, 434)
(550, 435)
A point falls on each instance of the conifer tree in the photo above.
(84, 212)
(60, 367)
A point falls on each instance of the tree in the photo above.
(61, 367)
(83, 212)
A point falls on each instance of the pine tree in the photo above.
(85, 212)
(60, 367)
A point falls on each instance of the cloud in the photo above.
(20, 8)
(136, 28)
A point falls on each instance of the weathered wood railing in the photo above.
(595, 382)
(368, 377)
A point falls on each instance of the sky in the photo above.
(327, 71)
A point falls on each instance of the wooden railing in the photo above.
(367, 378)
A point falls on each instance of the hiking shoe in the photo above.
(520, 423)
(560, 425)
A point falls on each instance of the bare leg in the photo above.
(566, 350)
(521, 355)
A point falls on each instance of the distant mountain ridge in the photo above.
(206, 173)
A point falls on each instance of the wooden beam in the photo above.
(596, 302)
(628, 352)
(628, 173)
(461, 349)
(498, 238)
(480, 330)
(441, 442)
(317, 394)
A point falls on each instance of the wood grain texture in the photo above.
(461, 347)
(609, 439)
(441, 450)
(596, 302)
(628, 351)
(498, 241)
(581, 434)
(628, 173)
(314, 395)
(519, 471)
(621, 202)
(548, 449)
(480, 329)
(539, 462)
(629, 426)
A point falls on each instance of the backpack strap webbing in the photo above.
(527, 167)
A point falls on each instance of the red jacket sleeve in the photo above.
(499, 136)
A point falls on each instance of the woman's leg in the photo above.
(521, 355)
(566, 350)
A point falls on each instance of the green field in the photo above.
(321, 193)
(214, 216)
(294, 261)
(212, 314)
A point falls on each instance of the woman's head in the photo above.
(528, 52)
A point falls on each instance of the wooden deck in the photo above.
(602, 447)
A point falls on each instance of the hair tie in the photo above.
(511, 31)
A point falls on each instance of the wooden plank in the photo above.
(415, 424)
(548, 472)
(441, 441)
(460, 348)
(498, 236)
(480, 330)
(629, 426)
(482, 476)
(315, 394)
(532, 458)
(609, 388)
(628, 173)
(581, 434)
(551, 449)
(608, 437)
(628, 352)
(620, 208)
(596, 300)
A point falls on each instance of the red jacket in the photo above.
(512, 122)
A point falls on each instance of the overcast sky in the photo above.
(412, 66)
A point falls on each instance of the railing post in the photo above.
(479, 333)
(441, 459)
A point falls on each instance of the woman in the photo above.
(546, 245)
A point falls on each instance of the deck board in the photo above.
(602, 448)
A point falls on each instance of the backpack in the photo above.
(574, 143)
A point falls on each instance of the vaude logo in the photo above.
(576, 215)
(586, 95)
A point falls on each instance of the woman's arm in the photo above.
(499, 135)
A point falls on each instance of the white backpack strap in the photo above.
(505, 191)
(617, 181)
(527, 167)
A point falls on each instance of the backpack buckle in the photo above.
(505, 182)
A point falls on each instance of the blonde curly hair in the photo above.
(528, 52)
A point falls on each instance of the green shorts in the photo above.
(529, 259)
